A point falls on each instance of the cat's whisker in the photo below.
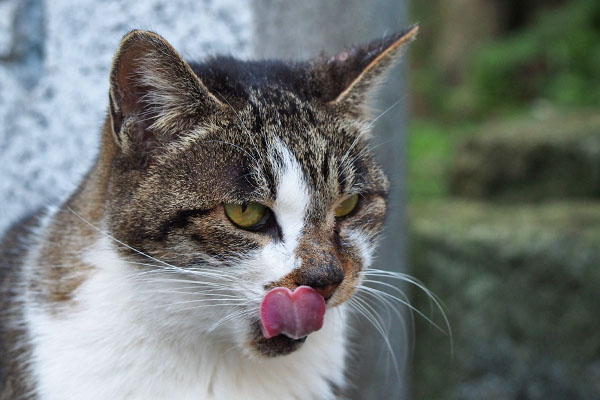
(205, 284)
(354, 143)
(166, 274)
(207, 272)
(208, 299)
(163, 265)
(212, 302)
(373, 317)
(231, 316)
(191, 274)
(379, 296)
(202, 306)
(231, 348)
(403, 302)
(380, 322)
(224, 276)
(200, 289)
(202, 294)
(384, 112)
(403, 277)
(350, 162)
(390, 308)
(406, 278)
(213, 285)
(372, 272)
(109, 236)
(372, 148)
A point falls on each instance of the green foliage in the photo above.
(557, 58)
(550, 63)
(428, 154)
(554, 58)
(430, 147)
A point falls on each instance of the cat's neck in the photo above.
(110, 338)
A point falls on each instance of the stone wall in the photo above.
(514, 257)
(54, 61)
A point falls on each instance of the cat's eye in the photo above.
(347, 206)
(246, 215)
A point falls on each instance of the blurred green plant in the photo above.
(431, 145)
(556, 58)
(551, 60)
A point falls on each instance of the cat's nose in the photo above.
(325, 279)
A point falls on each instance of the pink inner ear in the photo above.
(126, 76)
(293, 314)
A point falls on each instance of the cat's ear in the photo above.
(347, 79)
(154, 94)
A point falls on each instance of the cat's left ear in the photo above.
(347, 79)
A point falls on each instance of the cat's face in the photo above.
(237, 178)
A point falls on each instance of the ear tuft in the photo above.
(154, 94)
(351, 75)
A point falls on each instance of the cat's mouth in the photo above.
(294, 314)
(275, 346)
(286, 318)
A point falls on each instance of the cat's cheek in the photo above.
(353, 265)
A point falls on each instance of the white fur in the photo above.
(278, 259)
(111, 345)
(125, 337)
(365, 246)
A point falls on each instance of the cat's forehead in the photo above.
(272, 102)
(274, 96)
(272, 121)
(278, 126)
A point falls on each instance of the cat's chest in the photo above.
(100, 349)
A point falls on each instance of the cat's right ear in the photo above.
(347, 80)
(154, 95)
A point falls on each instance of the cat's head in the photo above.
(234, 178)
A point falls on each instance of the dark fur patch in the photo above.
(279, 345)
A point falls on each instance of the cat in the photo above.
(213, 249)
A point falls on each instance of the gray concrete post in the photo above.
(301, 29)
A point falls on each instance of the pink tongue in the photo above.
(294, 314)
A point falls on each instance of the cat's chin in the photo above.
(276, 346)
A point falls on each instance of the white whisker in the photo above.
(373, 317)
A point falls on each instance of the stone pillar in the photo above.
(302, 29)
(54, 61)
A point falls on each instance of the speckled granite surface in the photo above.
(54, 61)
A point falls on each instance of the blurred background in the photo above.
(504, 197)
(489, 129)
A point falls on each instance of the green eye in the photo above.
(246, 215)
(347, 206)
